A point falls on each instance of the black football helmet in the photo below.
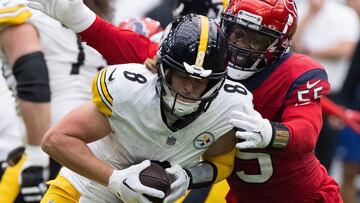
(196, 46)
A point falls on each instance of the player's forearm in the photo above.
(118, 46)
(303, 136)
(340, 50)
(331, 108)
(74, 154)
(97, 36)
(304, 123)
(36, 118)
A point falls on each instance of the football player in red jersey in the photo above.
(275, 163)
(276, 160)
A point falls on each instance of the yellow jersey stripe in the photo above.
(100, 103)
(204, 38)
(12, 9)
(14, 16)
(104, 87)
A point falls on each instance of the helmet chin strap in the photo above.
(237, 74)
(179, 107)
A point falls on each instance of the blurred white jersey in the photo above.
(9, 125)
(127, 94)
(71, 64)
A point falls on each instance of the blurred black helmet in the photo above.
(197, 47)
(209, 8)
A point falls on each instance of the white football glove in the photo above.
(125, 184)
(74, 14)
(180, 183)
(34, 173)
(258, 131)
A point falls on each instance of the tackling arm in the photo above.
(116, 45)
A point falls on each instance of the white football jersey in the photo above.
(71, 64)
(10, 136)
(127, 95)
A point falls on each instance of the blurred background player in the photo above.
(169, 10)
(145, 26)
(70, 65)
(328, 31)
(10, 134)
(349, 139)
(22, 54)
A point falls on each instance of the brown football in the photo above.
(156, 177)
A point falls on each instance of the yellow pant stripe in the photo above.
(9, 185)
(61, 190)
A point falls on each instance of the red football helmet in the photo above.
(145, 26)
(258, 33)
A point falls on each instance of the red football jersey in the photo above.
(288, 92)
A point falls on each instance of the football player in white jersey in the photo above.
(179, 116)
(9, 128)
(21, 48)
(40, 56)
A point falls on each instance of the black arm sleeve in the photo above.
(32, 77)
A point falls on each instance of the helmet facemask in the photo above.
(191, 64)
(178, 104)
(251, 47)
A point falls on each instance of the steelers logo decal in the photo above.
(203, 140)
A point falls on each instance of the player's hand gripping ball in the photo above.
(156, 177)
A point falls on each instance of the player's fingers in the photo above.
(245, 125)
(148, 190)
(248, 110)
(237, 114)
(35, 6)
(143, 165)
(245, 145)
(172, 170)
(244, 116)
(176, 184)
(245, 135)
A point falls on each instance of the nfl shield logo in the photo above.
(170, 140)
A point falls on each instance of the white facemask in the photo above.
(181, 108)
(237, 74)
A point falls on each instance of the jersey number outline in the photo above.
(75, 68)
(235, 89)
(135, 77)
(265, 165)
